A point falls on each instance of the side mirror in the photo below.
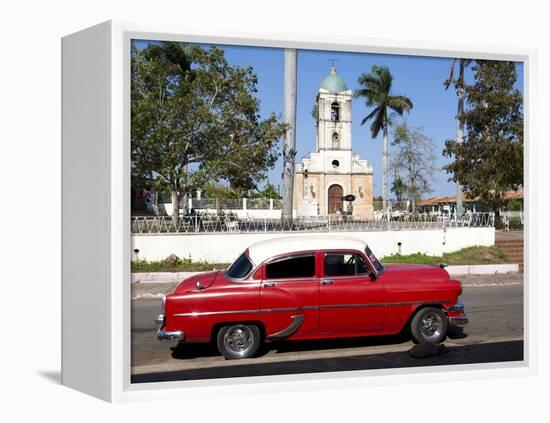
(373, 276)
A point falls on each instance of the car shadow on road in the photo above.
(456, 332)
(189, 351)
(505, 351)
(338, 343)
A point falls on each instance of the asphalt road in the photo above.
(495, 334)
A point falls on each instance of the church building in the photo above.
(333, 171)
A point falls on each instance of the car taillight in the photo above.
(460, 288)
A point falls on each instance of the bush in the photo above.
(177, 265)
(470, 255)
(514, 205)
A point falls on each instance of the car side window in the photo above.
(292, 267)
(345, 264)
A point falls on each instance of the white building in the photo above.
(333, 170)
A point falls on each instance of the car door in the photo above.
(349, 300)
(289, 296)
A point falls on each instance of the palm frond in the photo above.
(370, 115)
(449, 80)
(400, 104)
(383, 76)
(378, 123)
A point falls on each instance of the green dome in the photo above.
(333, 82)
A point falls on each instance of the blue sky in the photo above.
(419, 78)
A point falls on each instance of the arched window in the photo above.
(335, 112)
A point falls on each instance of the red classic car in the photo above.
(309, 288)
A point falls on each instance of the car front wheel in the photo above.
(429, 326)
(238, 341)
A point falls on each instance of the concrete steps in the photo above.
(513, 250)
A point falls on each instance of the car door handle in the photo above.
(327, 281)
(269, 284)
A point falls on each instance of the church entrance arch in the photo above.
(335, 202)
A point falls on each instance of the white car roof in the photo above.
(263, 250)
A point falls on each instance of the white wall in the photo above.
(166, 208)
(225, 247)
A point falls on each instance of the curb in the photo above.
(482, 269)
(162, 277)
(477, 269)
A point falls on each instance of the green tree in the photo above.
(398, 187)
(269, 191)
(195, 120)
(458, 83)
(490, 160)
(376, 87)
(514, 205)
(413, 161)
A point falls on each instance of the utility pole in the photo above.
(289, 150)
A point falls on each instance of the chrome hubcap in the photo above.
(239, 339)
(431, 326)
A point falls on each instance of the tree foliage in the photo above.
(376, 88)
(195, 119)
(216, 190)
(413, 162)
(490, 160)
(398, 187)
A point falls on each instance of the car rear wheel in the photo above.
(238, 341)
(429, 326)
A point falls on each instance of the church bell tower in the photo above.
(331, 172)
(333, 114)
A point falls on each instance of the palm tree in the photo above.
(459, 87)
(289, 150)
(376, 88)
(398, 187)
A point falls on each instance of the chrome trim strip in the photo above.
(419, 302)
(211, 313)
(344, 278)
(289, 330)
(292, 280)
(271, 310)
(275, 310)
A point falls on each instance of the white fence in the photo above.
(217, 224)
(218, 247)
(511, 217)
(240, 208)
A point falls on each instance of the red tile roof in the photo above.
(508, 195)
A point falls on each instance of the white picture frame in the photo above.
(96, 160)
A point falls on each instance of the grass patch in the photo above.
(470, 255)
(177, 265)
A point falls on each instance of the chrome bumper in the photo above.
(458, 307)
(170, 336)
(162, 335)
(459, 320)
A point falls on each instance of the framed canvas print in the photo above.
(267, 211)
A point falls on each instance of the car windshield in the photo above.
(375, 262)
(240, 267)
